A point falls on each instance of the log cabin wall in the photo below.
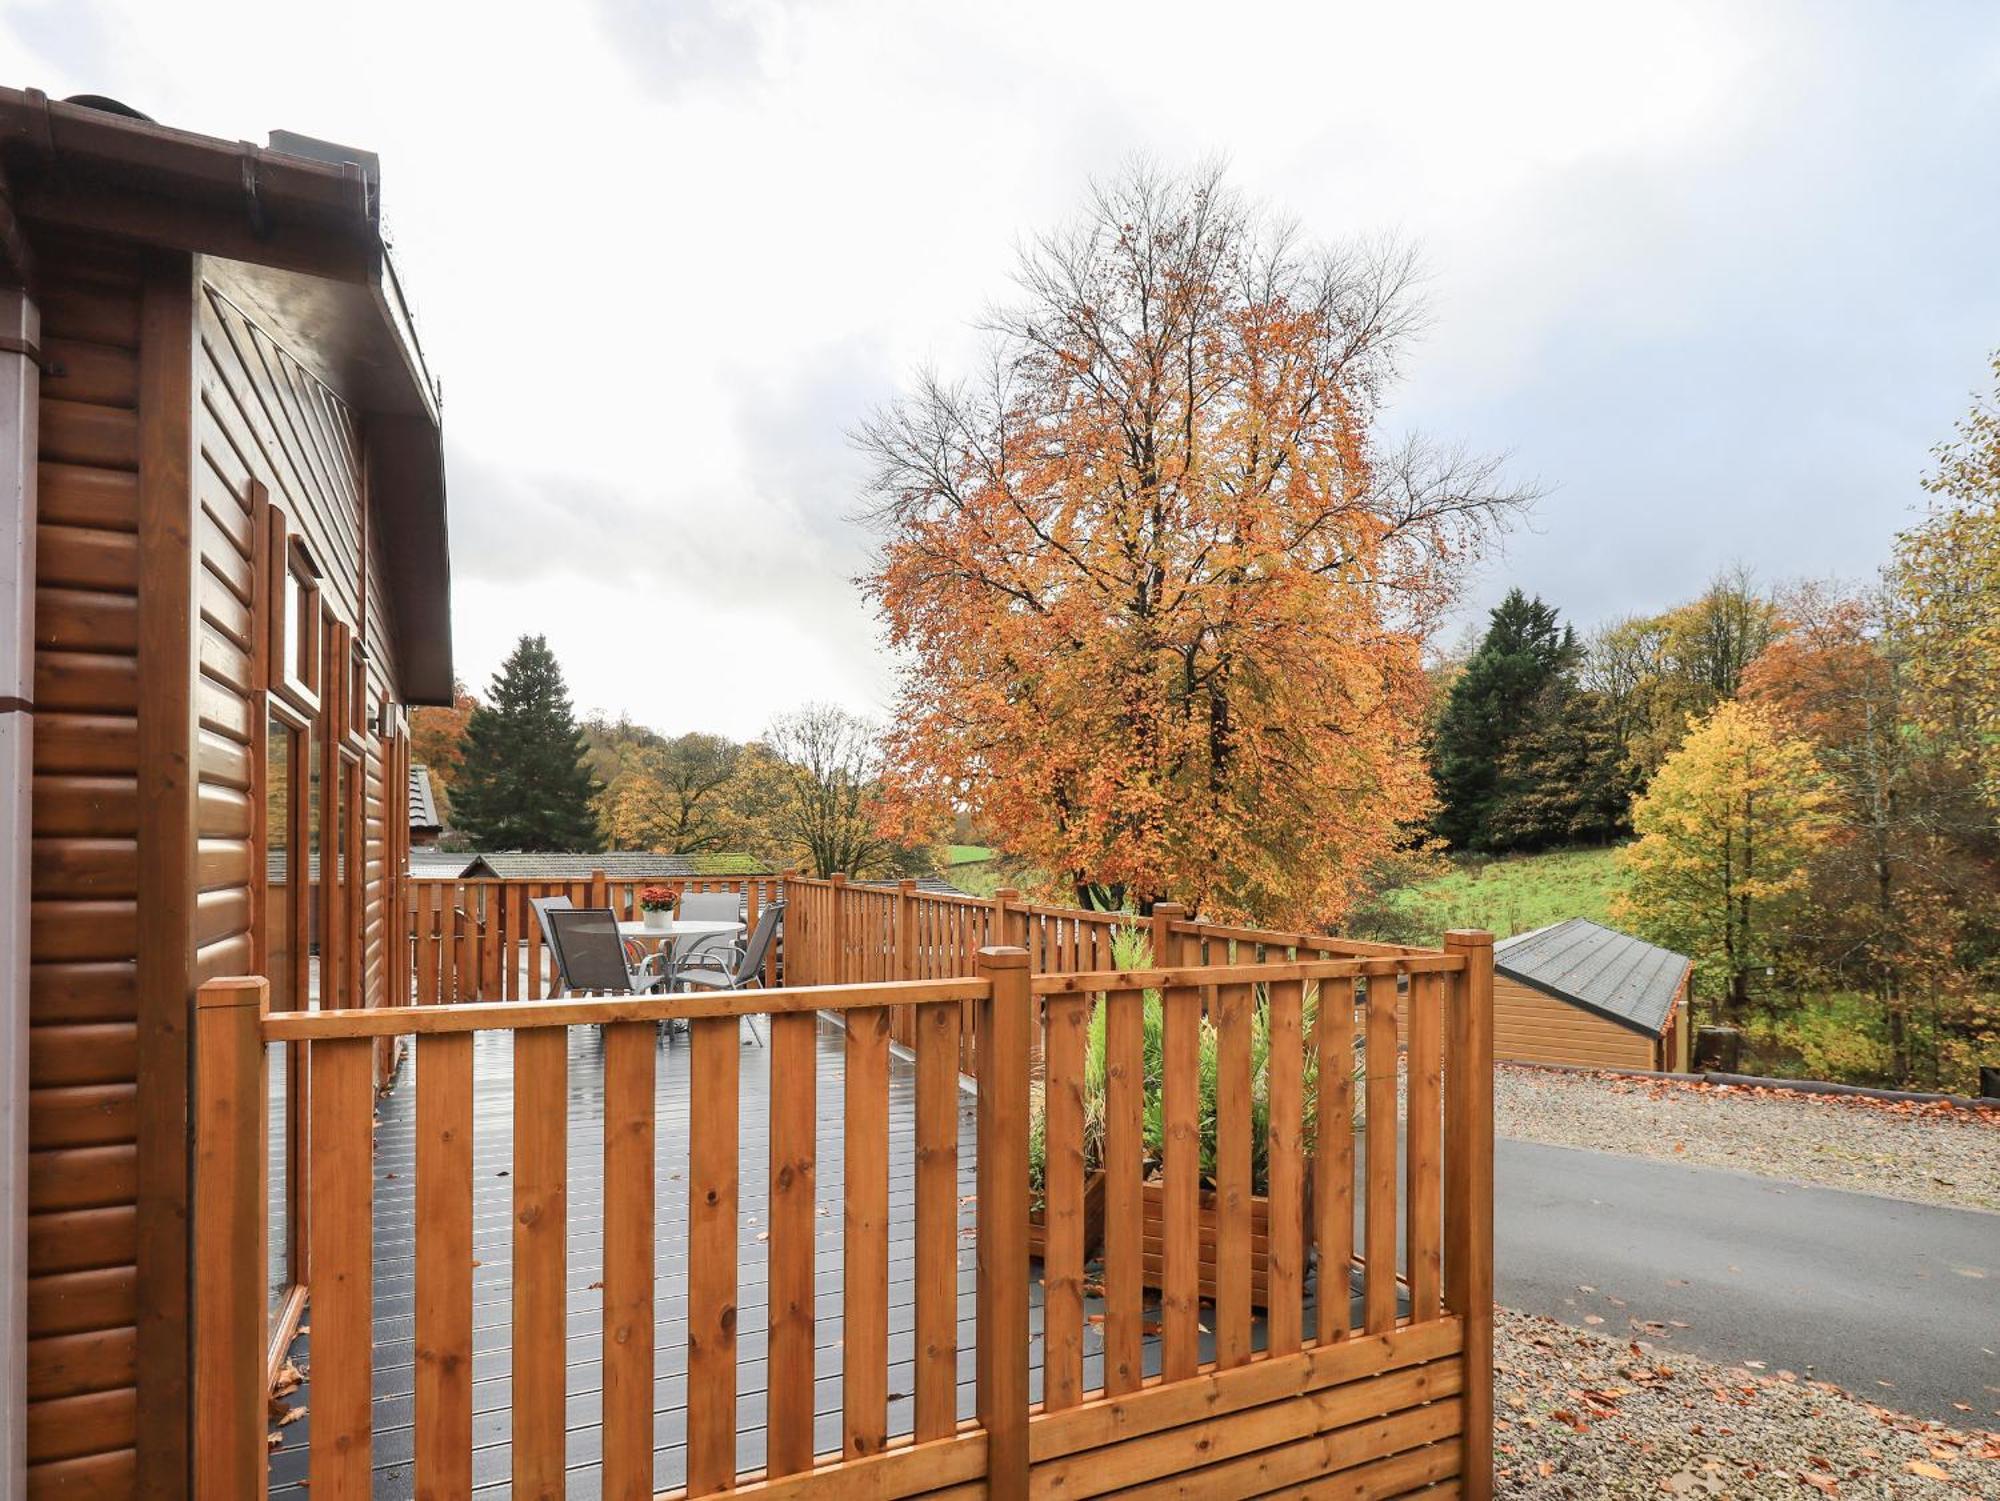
(1530, 1027)
(173, 417)
(88, 1128)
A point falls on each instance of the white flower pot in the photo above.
(661, 920)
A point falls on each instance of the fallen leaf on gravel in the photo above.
(1928, 1470)
(1826, 1485)
(1591, 1318)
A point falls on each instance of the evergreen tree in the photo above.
(525, 782)
(1563, 779)
(1493, 700)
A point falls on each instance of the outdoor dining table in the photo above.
(692, 927)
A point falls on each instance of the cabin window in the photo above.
(280, 905)
(296, 668)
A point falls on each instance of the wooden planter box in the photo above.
(1093, 1221)
(1153, 1204)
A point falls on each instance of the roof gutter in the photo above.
(20, 396)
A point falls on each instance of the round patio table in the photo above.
(692, 927)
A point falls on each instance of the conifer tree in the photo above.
(525, 783)
(1562, 779)
(1493, 700)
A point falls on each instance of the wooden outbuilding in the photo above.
(224, 576)
(1577, 992)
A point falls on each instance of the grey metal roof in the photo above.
(931, 885)
(619, 865)
(1626, 979)
(423, 806)
(438, 864)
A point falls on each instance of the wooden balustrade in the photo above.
(1284, 1387)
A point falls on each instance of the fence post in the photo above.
(1002, 1224)
(600, 890)
(1165, 915)
(230, 1455)
(838, 901)
(1468, 1195)
(793, 938)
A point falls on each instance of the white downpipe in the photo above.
(20, 394)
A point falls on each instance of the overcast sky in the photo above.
(1717, 275)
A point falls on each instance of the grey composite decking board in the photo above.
(394, 1229)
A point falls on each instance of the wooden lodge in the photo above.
(275, 1099)
(225, 577)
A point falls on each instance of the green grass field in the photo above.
(966, 854)
(1519, 892)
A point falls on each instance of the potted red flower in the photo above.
(657, 905)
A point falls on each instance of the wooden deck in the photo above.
(394, 1259)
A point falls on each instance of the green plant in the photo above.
(1132, 950)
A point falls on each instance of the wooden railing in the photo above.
(477, 938)
(1391, 1405)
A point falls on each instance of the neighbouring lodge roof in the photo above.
(423, 805)
(292, 232)
(619, 865)
(1613, 974)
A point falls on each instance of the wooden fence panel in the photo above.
(1333, 1156)
(1285, 1152)
(541, 1194)
(1067, 1019)
(1423, 1148)
(628, 1261)
(1378, 1307)
(1232, 1175)
(444, 1266)
(711, 1308)
(793, 1225)
(864, 1390)
(342, 1092)
(1124, 1170)
(937, 1220)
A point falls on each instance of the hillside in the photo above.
(1519, 892)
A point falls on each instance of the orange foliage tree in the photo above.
(1162, 588)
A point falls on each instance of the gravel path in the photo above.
(1582, 1416)
(1932, 1153)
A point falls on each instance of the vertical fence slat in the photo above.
(444, 1266)
(1124, 1168)
(1285, 1237)
(1422, 1151)
(937, 1220)
(1468, 1190)
(447, 943)
(426, 928)
(1005, 1022)
(1068, 1018)
(231, 1233)
(711, 1309)
(864, 1387)
(1378, 1304)
(793, 1225)
(342, 1092)
(541, 1067)
(628, 1260)
(1333, 1158)
(1232, 1175)
(1180, 1193)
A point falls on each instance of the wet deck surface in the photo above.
(394, 1437)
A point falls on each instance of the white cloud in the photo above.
(1718, 271)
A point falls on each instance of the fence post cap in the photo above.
(1168, 909)
(1468, 938)
(1007, 956)
(907, 884)
(234, 990)
(839, 878)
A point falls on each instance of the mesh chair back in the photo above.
(759, 948)
(543, 905)
(589, 951)
(707, 906)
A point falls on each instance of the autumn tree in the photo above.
(668, 795)
(1726, 831)
(1654, 671)
(525, 783)
(825, 765)
(437, 739)
(1161, 582)
(1946, 582)
(1524, 653)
